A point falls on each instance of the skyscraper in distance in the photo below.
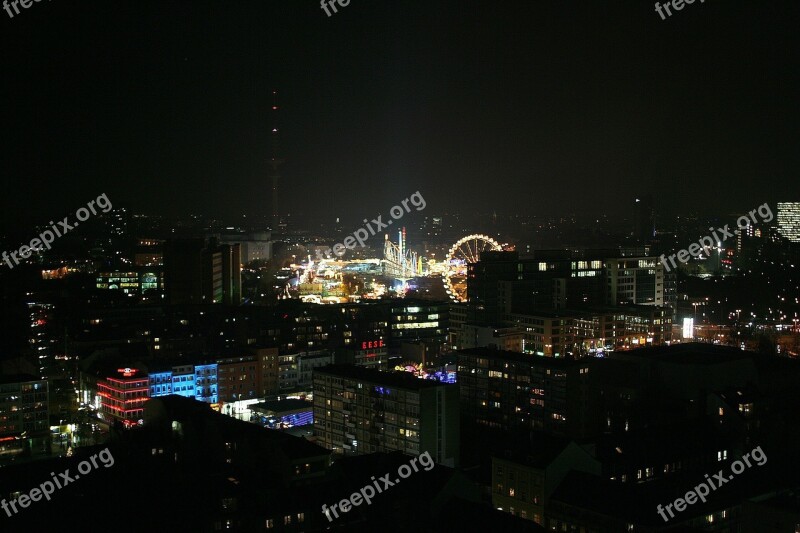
(789, 220)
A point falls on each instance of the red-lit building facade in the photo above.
(122, 397)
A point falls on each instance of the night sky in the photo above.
(507, 106)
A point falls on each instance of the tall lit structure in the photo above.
(275, 161)
(400, 263)
(644, 220)
(789, 220)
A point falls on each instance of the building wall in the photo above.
(206, 383)
(239, 378)
(518, 489)
(501, 338)
(268, 364)
(508, 390)
(122, 397)
(354, 416)
(24, 407)
(789, 220)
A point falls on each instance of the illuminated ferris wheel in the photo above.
(466, 250)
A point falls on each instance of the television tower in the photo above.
(275, 162)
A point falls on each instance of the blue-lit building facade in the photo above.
(191, 381)
(160, 383)
(206, 383)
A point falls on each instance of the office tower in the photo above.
(419, 321)
(635, 281)
(24, 414)
(789, 220)
(195, 273)
(359, 411)
(183, 271)
(502, 283)
(256, 246)
(557, 396)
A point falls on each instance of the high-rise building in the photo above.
(255, 246)
(501, 283)
(635, 280)
(195, 273)
(419, 321)
(359, 411)
(578, 333)
(789, 220)
(183, 271)
(24, 413)
(507, 390)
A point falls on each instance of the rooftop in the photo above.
(401, 380)
(19, 378)
(281, 406)
(504, 355)
(688, 353)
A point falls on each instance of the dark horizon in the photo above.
(530, 107)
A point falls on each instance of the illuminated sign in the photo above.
(369, 345)
(127, 372)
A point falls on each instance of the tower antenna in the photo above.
(275, 161)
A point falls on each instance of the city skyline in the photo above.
(291, 266)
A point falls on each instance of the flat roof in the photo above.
(402, 380)
(518, 357)
(687, 353)
(280, 406)
(19, 378)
